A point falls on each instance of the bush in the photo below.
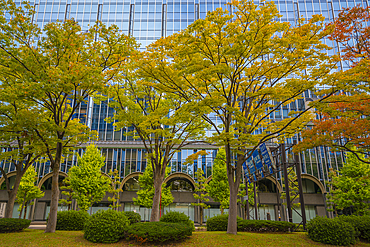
(219, 222)
(133, 217)
(177, 217)
(71, 220)
(361, 225)
(331, 231)
(106, 226)
(13, 225)
(158, 231)
(265, 226)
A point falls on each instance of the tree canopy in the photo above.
(344, 119)
(240, 69)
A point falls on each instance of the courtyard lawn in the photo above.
(30, 237)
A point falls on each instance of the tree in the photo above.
(146, 193)
(218, 187)
(58, 72)
(28, 191)
(200, 194)
(86, 180)
(344, 119)
(68, 192)
(240, 69)
(164, 123)
(115, 189)
(350, 187)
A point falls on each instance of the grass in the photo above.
(31, 237)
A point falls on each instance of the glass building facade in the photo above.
(147, 21)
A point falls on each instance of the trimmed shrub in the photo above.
(331, 231)
(177, 217)
(158, 231)
(219, 222)
(106, 226)
(361, 225)
(13, 225)
(71, 220)
(133, 217)
(265, 226)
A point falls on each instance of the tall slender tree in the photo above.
(241, 68)
(218, 187)
(146, 193)
(201, 195)
(86, 180)
(28, 191)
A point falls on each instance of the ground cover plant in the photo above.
(331, 231)
(158, 232)
(177, 217)
(13, 225)
(37, 238)
(265, 226)
(71, 220)
(106, 226)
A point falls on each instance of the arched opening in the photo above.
(47, 184)
(180, 185)
(11, 179)
(266, 186)
(132, 184)
(310, 187)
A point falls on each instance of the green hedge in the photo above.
(158, 232)
(13, 225)
(106, 226)
(361, 225)
(331, 231)
(265, 226)
(132, 217)
(177, 217)
(71, 220)
(219, 222)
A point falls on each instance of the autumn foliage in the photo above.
(344, 119)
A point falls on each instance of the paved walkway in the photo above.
(40, 225)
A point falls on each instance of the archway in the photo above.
(11, 177)
(131, 182)
(180, 181)
(311, 185)
(46, 181)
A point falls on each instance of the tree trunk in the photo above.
(201, 215)
(52, 222)
(158, 180)
(22, 206)
(25, 210)
(222, 210)
(233, 209)
(233, 177)
(12, 194)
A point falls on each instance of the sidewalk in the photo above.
(39, 225)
